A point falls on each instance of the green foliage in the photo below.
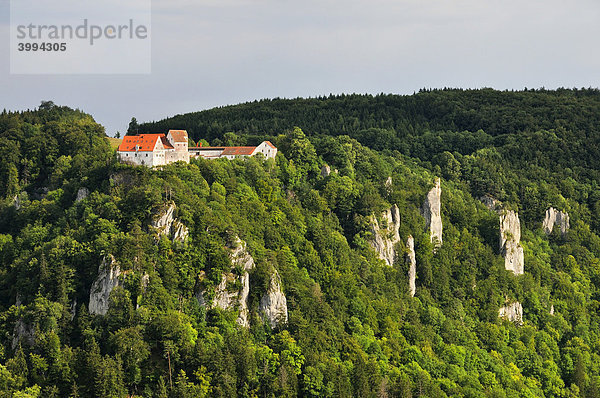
(353, 330)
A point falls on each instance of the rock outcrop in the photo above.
(19, 199)
(411, 261)
(73, 309)
(510, 238)
(513, 312)
(556, 218)
(24, 333)
(165, 224)
(108, 278)
(389, 182)
(491, 203)
(82, 193)
(273, 305)
(386, 236)
(325, 171)
(227, 298)
(432, 211)
(179, 232)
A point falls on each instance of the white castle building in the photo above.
(155, 149)
(159, 149)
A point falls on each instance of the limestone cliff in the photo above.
(432, 211)
(412, 265)
(19, 199)
(556, 218)
(107, 280)
(165, 224)
(227, 298)
(273, 304)
(386, 236)
(23, 333)
(510, 238)
(512, 312)
(82, 193)
(491, 203)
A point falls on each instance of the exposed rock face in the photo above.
(412, 266)
(325, 171)
(510, 238)
(551, 312)
(82, 193)
(73, 309)
(386, 236)
(226, 298)
(17, 202)
(491, 203)
(163, 220)
(145, 281)
(23, 332)
(389, 182)
(165, 224)
(512, 312)
(388, 185)
(273, 305)
(107, 280)
(432, 211)
(180, 232)
(19, 199)
(556, 218)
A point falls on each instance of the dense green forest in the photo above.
(67, 205)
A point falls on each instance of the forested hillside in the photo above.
(258, 278)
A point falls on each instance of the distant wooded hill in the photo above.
(495, 112)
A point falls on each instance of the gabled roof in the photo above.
(166, 142)
(144, 142)
(238, 150)
(179, 135)
(271, 145)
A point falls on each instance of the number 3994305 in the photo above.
(42, 46)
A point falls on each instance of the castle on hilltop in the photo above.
(159, 149)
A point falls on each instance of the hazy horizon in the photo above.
(218, 53)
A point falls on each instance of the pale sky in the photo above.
(218, 52)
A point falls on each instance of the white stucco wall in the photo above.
(144, 158)
(268, 151)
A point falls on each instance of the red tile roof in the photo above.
(179, 135)
(144, 142)
(238, 150)
(271, 145)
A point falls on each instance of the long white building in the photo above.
(159, 149)
(231, 152)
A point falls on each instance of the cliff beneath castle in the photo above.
(165, 224)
